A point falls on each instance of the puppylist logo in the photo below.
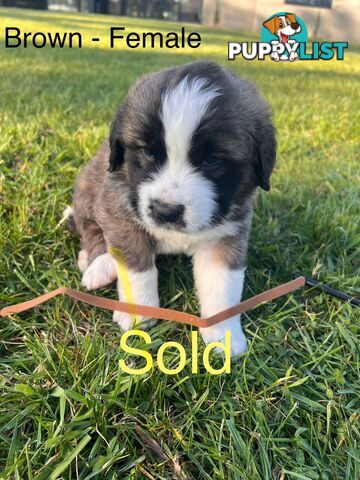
(283, 37)
(284, 32)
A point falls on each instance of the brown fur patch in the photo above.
(101, 216)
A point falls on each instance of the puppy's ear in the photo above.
(265, 155)
(291, 17)
(116, 159)
(271, 24)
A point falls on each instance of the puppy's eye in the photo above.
(211, 163)
(136, 163)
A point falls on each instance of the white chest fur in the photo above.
(178, 242)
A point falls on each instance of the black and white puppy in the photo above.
(186, 151)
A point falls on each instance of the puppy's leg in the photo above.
(99, 273)
(83, 260)
(134, 259)
(219, 287)
(94, 261)
(138, 287)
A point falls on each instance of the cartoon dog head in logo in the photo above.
(283, 27)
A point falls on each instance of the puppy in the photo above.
(283, 26)
(178, 174)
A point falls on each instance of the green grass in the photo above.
(290, 407)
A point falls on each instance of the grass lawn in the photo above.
(290, 407)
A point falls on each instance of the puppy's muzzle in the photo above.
(163, 212)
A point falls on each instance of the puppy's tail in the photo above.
(68, 216)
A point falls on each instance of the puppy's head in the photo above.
(283, 26)
(194, 142)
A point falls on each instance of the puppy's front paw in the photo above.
(99, 273)
(216, 333)
(126, 321)
(238, 345)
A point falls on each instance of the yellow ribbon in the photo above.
(124, 279)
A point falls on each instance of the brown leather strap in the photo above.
(160, 313)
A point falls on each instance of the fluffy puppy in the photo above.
(178, 174)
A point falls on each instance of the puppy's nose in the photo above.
(295, 26)
(166, 212)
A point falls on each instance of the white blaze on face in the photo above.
(287, 30)
(177, 181)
